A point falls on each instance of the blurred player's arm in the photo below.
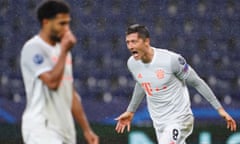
(124, 120)
(53, 77)
(80, 117)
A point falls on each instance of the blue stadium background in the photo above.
(205, 32)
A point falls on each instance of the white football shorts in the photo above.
(41, 135)
(175, 133)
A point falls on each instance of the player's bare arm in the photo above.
(231, 124)
(80, 117)
(53, 78)
(124, 120)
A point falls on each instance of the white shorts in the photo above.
(176, 133)
(41, 135)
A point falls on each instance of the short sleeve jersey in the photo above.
(163, 80)
(45, 106)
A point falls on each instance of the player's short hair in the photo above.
(140, 29)
(48, 9)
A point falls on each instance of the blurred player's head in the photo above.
(138, 41)
(54, 18)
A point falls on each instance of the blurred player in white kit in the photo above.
(46, 64)
(163, 77)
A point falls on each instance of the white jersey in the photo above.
(51, 108)
(163, 81)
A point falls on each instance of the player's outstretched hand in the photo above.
(91, 137)
(231, 124)
(124, 120)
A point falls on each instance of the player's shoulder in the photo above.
(31, 45)
(165, 52)
(175, 57)
(34, 41)
(169, 55)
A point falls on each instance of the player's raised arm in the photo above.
(53, 77)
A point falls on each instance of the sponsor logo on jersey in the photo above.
(163, 88)
(38, 59)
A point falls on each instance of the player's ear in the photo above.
(45, 22)
(147, 41)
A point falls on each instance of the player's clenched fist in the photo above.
(68, 40)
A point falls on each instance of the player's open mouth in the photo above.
(135, 53)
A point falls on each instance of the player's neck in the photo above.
(148, 56)
(46, 38)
